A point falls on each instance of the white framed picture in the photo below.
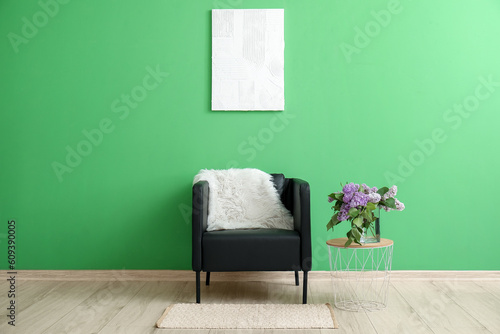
(248, 49)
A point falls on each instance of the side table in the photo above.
(360, 274)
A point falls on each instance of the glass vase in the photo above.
(372, 233)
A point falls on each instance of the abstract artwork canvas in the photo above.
(248, 59)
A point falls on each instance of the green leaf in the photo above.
(371, 206)
(334, 221)
(367, 215)
(353, 212)
(329, 225)
(349, 238)
(382, 191)
(390, 203)
(337, 205)
(356, 235)
(339, 196)
(358, 221)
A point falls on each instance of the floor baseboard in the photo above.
(188, 275)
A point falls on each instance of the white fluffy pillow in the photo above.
(243, 198)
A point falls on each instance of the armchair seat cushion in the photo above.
(251, 250)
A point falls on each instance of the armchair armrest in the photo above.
(302, 219)
(200, 219)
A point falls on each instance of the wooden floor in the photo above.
(130, 307)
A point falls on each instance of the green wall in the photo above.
(415, 102)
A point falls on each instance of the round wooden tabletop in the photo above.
(340, 242)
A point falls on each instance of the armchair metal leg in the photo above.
(304, 293)
(208, 278)
(296, 277)
(198, 287)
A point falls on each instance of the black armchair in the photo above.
(255, 249)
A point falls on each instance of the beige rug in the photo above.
(248, 316)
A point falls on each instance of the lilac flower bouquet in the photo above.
(356, 204)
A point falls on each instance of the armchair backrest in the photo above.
(279, 182)
(281, 185)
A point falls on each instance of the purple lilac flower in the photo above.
(366, 189)
(347, 197)
(399, 205)
(350, 188)
(358, 199)
(385, 208)
(345, 207)
(391, 193)
(330, 199)
(374, 197)
(342, 216)
(374, 189)
(344, 212)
